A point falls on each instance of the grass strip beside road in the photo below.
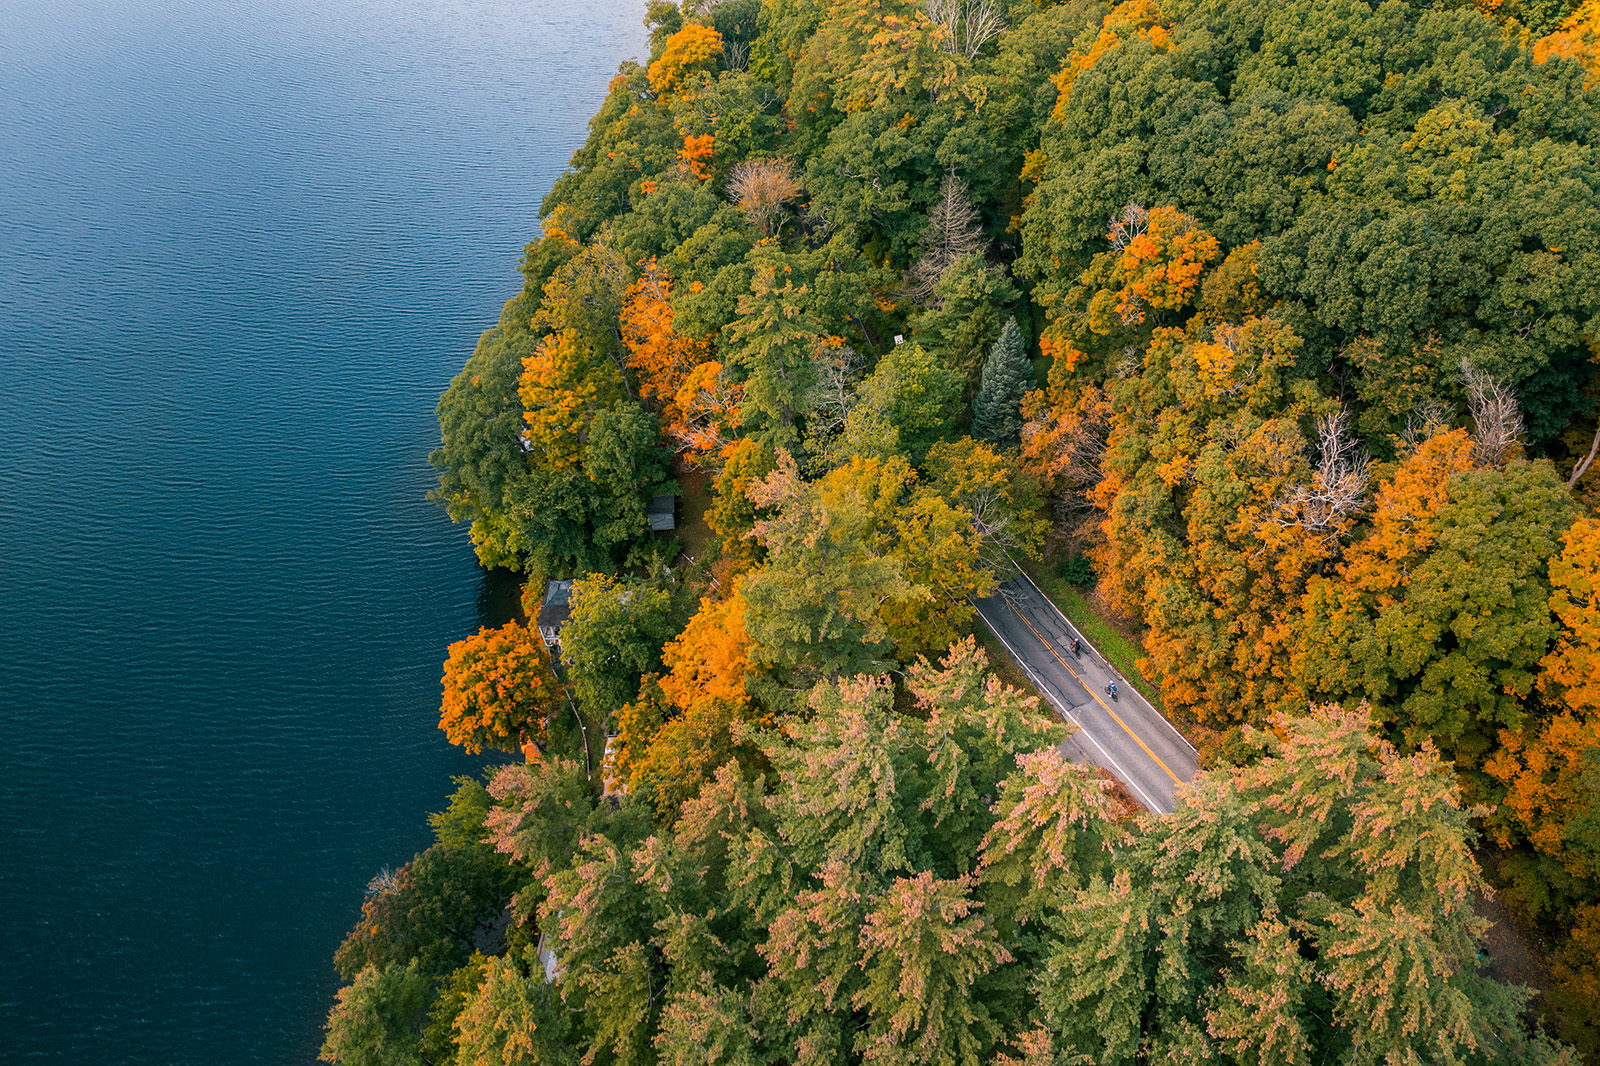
(1107, 639)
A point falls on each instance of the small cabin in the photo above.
(663, 513)
(554, 611)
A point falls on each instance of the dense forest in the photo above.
(1270, 324)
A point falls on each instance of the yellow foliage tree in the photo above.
(710, 659)
(1578, 37)
(558, 399)
(684, 755)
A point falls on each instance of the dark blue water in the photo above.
(243, 247)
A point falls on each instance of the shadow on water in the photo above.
(499, 598)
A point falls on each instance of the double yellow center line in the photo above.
(1090, 690)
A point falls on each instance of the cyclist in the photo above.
(1075, 650)
(1111, 690)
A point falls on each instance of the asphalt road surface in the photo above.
(1125, 735)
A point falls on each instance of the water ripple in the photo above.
(242, 248)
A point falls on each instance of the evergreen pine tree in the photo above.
(1007, 375)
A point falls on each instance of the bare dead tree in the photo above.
(385, 880)
(1133, 222)
(736, 54)
(1496, 419)
(1586, 462)
(980, 24)
(762, 188)
(1080, 473)
(968, 24)
(1426, 420)
(838, 368)
(953, 231)
(1339, 483)
(1131, 363)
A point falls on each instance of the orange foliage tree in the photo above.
(1155, 264)
(698, 406)
(693, 49)
(710, 658)
(1573, 667)
(1129, 19)
(1577, 38)
(1551, 774)
(679, 731)
(658, 354)
(695, 155)
(498, 689)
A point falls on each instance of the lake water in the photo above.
(243, 247)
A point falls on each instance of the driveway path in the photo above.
(1126, 735)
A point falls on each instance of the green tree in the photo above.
(1443, 610)
(972, 301)
(924, 947)
(480, 459)
(439, 1046)
(429, 912)
(461, 823)
(1007, 377)
(1002, 501)
(512, 1017)
(627, 465)
(540, 811)
(378, 1018)
(813, 609)
(552, 512)
(598, 917)
(732, 515)
(1055, 819)
(615, 635)
(940, 550)
(1317, 903)
(632, 140)
(773, 341)
(904, 407)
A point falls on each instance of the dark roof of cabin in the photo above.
(663, 512)
(557, 606)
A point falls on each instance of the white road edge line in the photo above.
(1063, 616)
(1045, 689)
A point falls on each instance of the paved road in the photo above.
(1126, 735)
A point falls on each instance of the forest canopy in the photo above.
(1273, 324)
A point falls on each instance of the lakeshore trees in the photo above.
(940, 886)
(1311, 288)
